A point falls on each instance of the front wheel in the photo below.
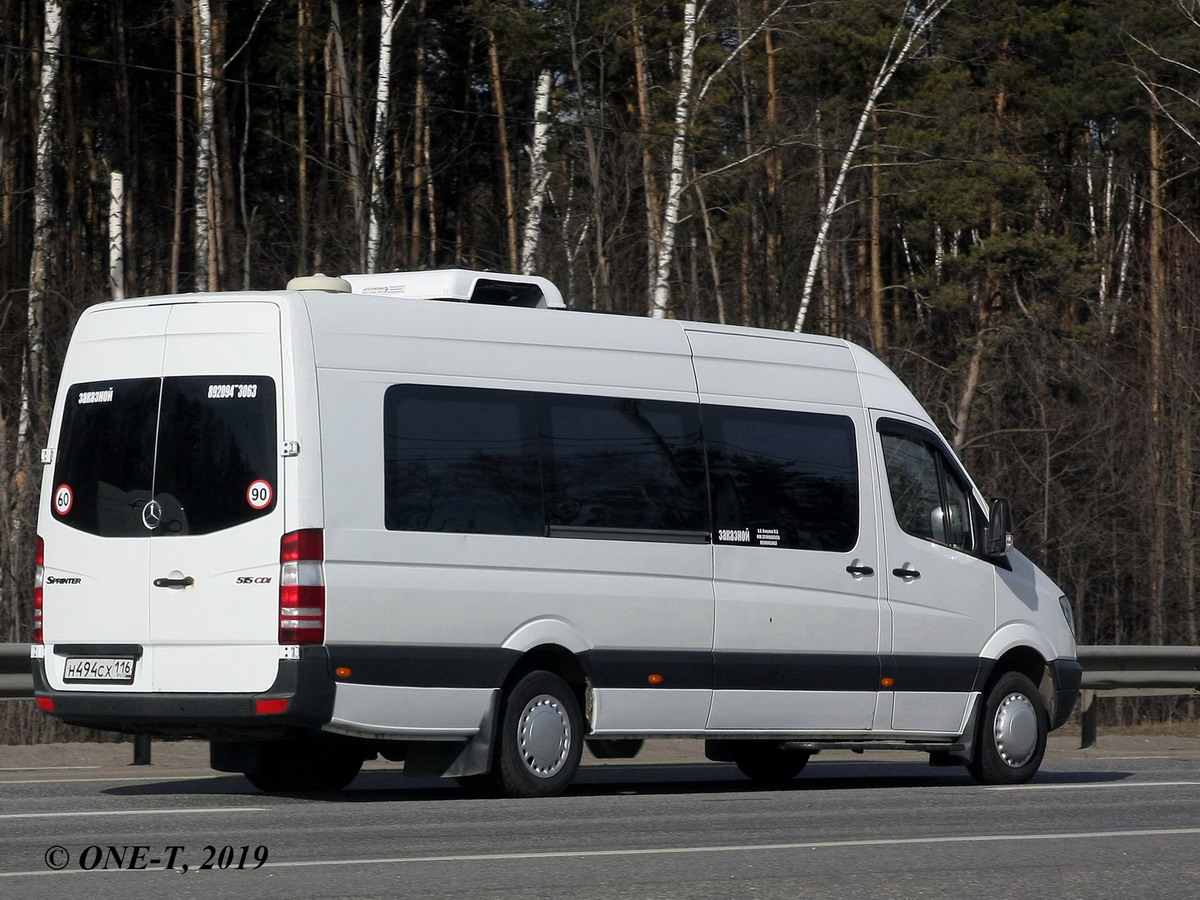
(541, 738)
(1012, 732)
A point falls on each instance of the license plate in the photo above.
(100, 669)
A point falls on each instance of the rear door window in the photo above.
(199, 450)
(104, 466)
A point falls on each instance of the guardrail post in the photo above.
(1087, 706)
(141, 749)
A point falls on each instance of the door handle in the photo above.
(184, 582)
(859, 571)
(906, 573)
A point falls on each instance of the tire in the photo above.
(305, 764)
(1012, 732)
(540, 741)
(769, 764)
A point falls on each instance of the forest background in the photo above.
(998, 197)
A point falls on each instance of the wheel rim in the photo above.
(544, 736)
(1016, 730)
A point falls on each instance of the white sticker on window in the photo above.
(232, 391)
(64, 499)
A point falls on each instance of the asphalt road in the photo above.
(1117, 826)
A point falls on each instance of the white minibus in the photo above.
(440, 518)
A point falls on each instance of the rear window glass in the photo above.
(201, 451)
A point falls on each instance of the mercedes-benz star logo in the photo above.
(152, 514)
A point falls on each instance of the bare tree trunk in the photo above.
(506, 168)
(876, 262)
(909, 28)
(202, 189)
(539, 173)
(180, 153)
(353, 130)
(645, 120)
(599, 228)
(1157, 337)
(420, 175)
(710, 243)
(773, 170)
(304, 22)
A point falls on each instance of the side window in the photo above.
(462, 460)
(928, 496)
(782, 479)
(483, 461)
(613, 463)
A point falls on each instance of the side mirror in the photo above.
(998, 537)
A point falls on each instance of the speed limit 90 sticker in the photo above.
(64, 499)
(260, 494)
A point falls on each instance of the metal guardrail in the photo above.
(1107, 670)
(16, 679)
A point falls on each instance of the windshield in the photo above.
(182, 455)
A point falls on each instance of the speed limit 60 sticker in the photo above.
(64, 499)
(260, 494)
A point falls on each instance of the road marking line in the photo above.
(165, 776)
(672, 851)
(1083, 787)
(44, 768)
(132, 812)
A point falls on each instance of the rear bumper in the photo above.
(1068, 675)
(305, 684)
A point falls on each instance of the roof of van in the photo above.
(346, 325)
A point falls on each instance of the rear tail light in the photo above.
(302, 587)
(39, 576)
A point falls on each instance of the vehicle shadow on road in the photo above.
(391, 785)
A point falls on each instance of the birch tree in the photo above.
(387, 26)
(116, 235)
(914, 23)
(539, 173)
(44, 257)
(205, 276)
(685, 104)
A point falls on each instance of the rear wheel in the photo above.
(770, 764)
(305, 764)
(1012, 732)
(541, 738)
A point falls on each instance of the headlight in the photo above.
(1068, 614)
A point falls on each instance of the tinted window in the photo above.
(104, 464)
(623, 464)
(217, 452)
(782, 479)
(461, 459)
(214, 439)
(928, 498)
(516, 462)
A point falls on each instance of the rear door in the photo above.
(214, 554)
(97, 549)
(162, 544)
